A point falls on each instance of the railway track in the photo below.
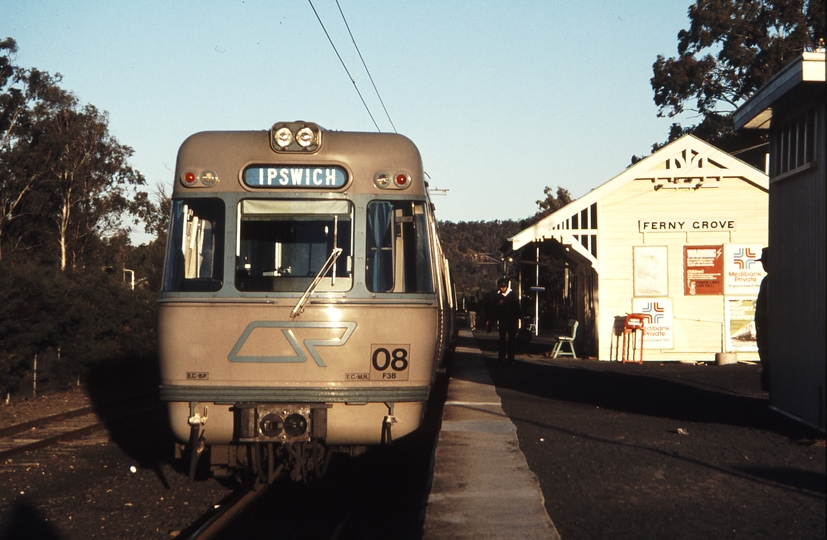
(221, 514)
(71, 425)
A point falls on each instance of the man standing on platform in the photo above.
(508, 315)
(761, 321)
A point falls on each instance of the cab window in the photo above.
(195, 246)
(398, 252)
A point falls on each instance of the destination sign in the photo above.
(295, 177)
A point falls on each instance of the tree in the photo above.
(21, 173)
(58, 164)
(65, 186)
(87, 173)
(549, 205)
(153, 214)
(732, 47)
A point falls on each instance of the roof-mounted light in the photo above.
(295, 137)
(283, 137)
(305, 137)
(209, 178)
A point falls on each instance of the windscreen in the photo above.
(282, 245)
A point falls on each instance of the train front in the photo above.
(301, 303)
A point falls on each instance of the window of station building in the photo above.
(593, 214)
(398, 254)
(794, 143)
(194, 256)
(283, 244)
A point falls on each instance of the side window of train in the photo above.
(283, 244)
(398, 253)
(195, 261)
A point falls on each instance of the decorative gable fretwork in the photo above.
(687, 169)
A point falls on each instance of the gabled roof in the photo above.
(685, 160)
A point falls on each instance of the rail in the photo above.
(50, 430)
(221, 514)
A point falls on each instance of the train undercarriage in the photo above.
(270, 441)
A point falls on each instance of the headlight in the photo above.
(305, 137)
(295, 137)
(283, 137)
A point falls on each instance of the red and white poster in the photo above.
(703, 270)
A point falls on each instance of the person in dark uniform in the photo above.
(508, 314)
(761, 321)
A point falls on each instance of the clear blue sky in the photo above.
(502, 98)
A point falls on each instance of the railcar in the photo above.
(306, 304)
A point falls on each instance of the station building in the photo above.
(791, 107)
(676, 238)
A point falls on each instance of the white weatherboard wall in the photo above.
(697, 320)
(689, 194)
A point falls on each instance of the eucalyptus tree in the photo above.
(89, 180)
(731, 48)
(59, 166)
(21, 171)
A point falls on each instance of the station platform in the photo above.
(482, 486)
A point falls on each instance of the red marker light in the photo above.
(190, 178)
(401, 179)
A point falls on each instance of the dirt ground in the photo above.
(621, 451)
(661, 450)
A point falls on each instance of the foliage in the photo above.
(71, 320)
(66, 261)
(731, 48)
(475, 251)
(550, 204)
(64, 180)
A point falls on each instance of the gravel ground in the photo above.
(661, 450)
(87, 488)
(621, 451)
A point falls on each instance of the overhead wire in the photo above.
(353, 39)
(352, 80)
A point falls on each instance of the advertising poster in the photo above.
(743, 271)
(651, 278)
(658, 326)
(703, 270)
(740, 324)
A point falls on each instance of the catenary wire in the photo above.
(343, 65)
(353, 39)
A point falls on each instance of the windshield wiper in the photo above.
(331, 260)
